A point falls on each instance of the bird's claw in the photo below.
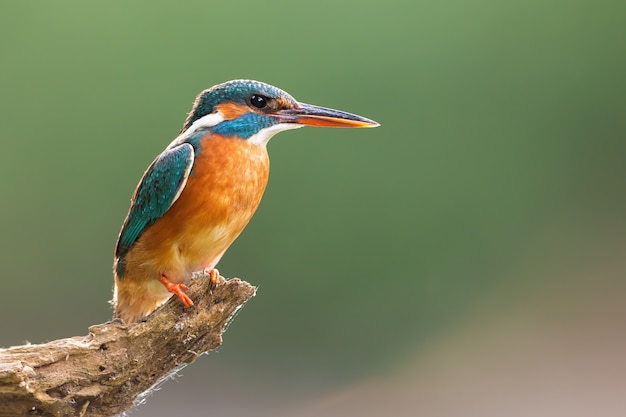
(214, 278)
(178, 289)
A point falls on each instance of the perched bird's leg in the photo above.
(177, 289)
(214, 277)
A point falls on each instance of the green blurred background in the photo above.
(451, 261)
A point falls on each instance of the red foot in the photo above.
(214, 277)
(177, 289)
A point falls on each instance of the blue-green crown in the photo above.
(236, 91)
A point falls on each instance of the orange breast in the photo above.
(222, 193)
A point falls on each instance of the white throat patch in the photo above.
(264, 135)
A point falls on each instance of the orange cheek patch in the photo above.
(283, 103)
(231, 111)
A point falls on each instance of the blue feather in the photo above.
(245, 126)
(159, 188)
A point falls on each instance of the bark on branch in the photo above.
(107, 371)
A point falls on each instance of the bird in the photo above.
(198, 195)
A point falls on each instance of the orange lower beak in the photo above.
(310, 115)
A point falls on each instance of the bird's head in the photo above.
(256, 111)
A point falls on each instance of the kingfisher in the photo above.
(198, 195)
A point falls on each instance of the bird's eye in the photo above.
(258, 101)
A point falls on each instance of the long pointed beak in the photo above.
(308, 114)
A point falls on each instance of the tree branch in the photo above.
(107, 371)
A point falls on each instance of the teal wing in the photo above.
(159, 188)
